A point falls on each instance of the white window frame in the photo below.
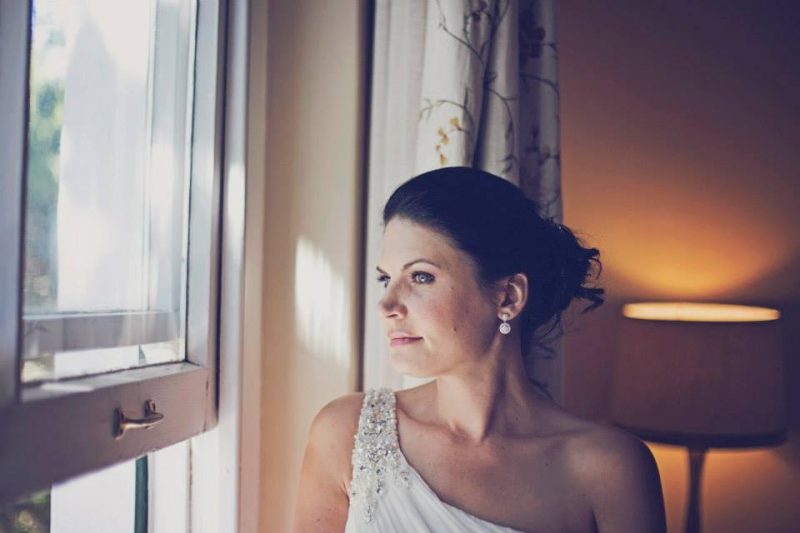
(50, 432)
(225, 462)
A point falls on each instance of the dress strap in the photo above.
(376, 451)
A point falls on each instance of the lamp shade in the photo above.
(707, 375)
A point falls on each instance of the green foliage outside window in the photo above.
(44, 141)
(27, 516)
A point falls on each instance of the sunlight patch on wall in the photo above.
(322, 314)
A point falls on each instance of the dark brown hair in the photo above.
(492, 221)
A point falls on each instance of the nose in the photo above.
(390, 305)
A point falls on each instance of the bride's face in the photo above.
(431, 297)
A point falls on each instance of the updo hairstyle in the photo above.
(499, 228)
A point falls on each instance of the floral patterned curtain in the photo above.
(462, 83)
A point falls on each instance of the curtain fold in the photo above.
(462, 83)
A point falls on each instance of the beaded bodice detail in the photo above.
(376, 453)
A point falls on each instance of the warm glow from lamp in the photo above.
(698, 312)
(700, 375)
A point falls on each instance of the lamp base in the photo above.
(697, 456)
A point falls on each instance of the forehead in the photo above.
(403, 238)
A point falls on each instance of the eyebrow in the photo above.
(420, 260)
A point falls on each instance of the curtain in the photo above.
(462, 83)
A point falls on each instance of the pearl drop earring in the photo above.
(505, 327)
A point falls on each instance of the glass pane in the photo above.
(107, 185)
(28, 515)
(102, 500)
(72, 505)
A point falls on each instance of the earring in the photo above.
(505, 327)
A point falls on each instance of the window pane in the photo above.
(28, 515)
(73, 505)
(107, 185)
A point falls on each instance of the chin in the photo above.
(409, 365)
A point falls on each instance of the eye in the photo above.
(383, 278)
(427, 278)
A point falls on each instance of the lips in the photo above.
(400, 341)
(399, 338)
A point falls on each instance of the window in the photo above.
(111, 178)
(106, 187)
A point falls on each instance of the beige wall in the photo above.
(680, 163)
(312, 244)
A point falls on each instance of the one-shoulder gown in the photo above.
(387, 494)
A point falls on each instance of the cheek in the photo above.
(453, 313)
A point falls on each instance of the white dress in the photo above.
(387, 494)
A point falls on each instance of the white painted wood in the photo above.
(14, 43)
(205, 512)
(232, 268)
(252, 348)
(204, 233)
(64, 429)
(168, 501)
(225, 461)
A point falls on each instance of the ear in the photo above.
(512, 295)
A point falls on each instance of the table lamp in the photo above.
(702, 376)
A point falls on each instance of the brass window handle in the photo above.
(122, 423)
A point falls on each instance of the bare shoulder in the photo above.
(620, 476)
(339, 415)
(598, 444)
(333, 430)
(322, 501)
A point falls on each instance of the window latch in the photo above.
(122, 423)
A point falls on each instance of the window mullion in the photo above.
(15, 37)
(85, 331)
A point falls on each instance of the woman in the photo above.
(470, 272)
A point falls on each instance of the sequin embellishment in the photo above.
(376, 452)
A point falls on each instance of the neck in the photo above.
(493, 397)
